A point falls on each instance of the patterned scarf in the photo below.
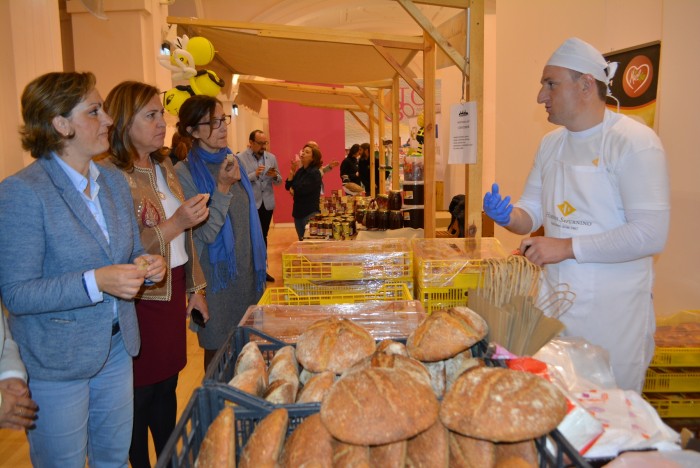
(222, 252)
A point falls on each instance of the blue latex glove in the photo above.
(496, 208)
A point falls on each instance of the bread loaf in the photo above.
(517, 454)
(250, 381)
(437, 376)
(502, 405)
(250, 357)
(383, 360)
(309, 445)
(280, 392)
(455, 366)
(430, 448)
(350, 456)
(392, 347)
(333, 344)
(316, 388)
(467, 452)
(284, 367)
(393, 454)
(445, 333)
(265, 443)
(377, 406)
(218, 449)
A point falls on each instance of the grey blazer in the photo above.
(48, 238)
(262, 186)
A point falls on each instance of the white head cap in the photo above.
(582, 57)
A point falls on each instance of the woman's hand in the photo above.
(198, 301)
(229, 174)
(192, 212)
(155, 268)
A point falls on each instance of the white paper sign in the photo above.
(462, 133)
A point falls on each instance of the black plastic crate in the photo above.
(183, 446)
(205, 404)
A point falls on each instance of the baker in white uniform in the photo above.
(599, 186)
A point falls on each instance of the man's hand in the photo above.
(122, 280)
(546, 250)
(496, 208)
(17, 410)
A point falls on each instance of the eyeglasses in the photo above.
(261, 143)
(216, 123)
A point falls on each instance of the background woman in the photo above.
(70, 263)
(230, 243)
(305, 185)
(165, 220)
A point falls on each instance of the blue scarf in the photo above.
(222, 252)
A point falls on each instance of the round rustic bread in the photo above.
(378, 359)
(446, 333)
(333, 344)
(377, 406)
(502, 405)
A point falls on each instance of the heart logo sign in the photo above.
(638, 76)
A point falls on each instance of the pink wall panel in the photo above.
(291, 126)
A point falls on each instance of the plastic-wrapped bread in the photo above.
(218, 449)
(333, 344)
(446, 333)
(502, 405)
(265, 443)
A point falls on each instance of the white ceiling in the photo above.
(385, 16)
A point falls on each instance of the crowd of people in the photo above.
(110, 242)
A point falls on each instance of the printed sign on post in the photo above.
(462, 133)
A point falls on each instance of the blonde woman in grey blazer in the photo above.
(70, 264)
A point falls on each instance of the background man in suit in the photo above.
(263, 173)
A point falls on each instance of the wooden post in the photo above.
(473, 176)
(373, 186)
(429, 59)
(395, 133)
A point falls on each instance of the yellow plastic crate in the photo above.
(676, 357)
(675, 405)
(388, 259)
(434, 298)
(327, 295)
(453, 263)
(672, 380)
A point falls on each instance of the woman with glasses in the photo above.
(230, 242)
(165, 219)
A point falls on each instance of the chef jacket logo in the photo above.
(566, 209)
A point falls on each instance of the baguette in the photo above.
(350, 456)
(316, 388)
(467, 452)
(389, 455)
(250, 357)
(218, 449)
(265, 443)
(429, 449)
(309, 445)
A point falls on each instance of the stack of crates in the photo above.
(672, 384)
(348, 267)
(446, 268)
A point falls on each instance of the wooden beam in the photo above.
(299, 32)
(400, 70)
(376, 102)
(338, 91)
(463, 4)
(365, 109)
(433, 32)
